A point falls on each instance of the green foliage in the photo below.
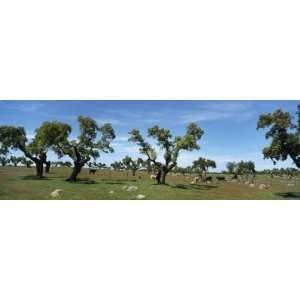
(203, 164)
(117, 165)
(88, 144)
(232, 167)
(134, 165)
(246, 167)
(13, 137)
(284, 136)
(171, 146)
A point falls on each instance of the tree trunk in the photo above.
(39, 169)
(163, 176)
(158, 177)
(48, 165)
(133, 172)
(76, 170)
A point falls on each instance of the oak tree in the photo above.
(171, 146)
(284, 135)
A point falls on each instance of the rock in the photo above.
(124, 187)
(233, 180)
(132, 188)
(56, 193)
(247, 182)
(140, 196)
(111, 192)
(262, 186)
(291, 184)
(252, 185)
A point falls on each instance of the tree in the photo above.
(3, 156)
(48, 165)
(67, 164)
(15, 160)
(170, 145)
(284, 136)
(26, 162)
(231, 167)
(133, 165)
(117, 165)
(126, 163)
(15, 138)
(246, 168)
(201, 166)
(91, 141)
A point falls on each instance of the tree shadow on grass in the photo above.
(289, 195)
(119, 180)
(203, 187)
(180, 186)
(84, 181)
(32, 177)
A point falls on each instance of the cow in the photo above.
(92, 171)
(220, 178)
(208, 178)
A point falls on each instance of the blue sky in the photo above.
(229, 126)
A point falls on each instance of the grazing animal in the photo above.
(92, 171)
(140, 196)
(153, 177)
(195, 180)
(220, 178)
(208, 179)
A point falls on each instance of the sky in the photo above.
(229, 126)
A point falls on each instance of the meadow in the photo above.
(21, 183)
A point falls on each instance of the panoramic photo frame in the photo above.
(153, 150)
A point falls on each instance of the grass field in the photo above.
(20, 183)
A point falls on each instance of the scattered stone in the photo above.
(252, 185)
(111, 192)
(56, 193)
(233, 180)
(247, 182)
(291, 184)
(262, 187)
(124, 187)
(132, 188)
(140, 197)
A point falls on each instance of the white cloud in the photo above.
(30, 107)
(218, 111)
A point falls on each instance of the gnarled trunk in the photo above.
(163, 176)
(76, 170)
(48, 165)
(39, 168)
(158, 177)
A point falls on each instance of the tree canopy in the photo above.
(92, 140)
(171, 146)
(284, 135)
(15, 138)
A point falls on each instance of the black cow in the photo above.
(92, 171)
(220, 178)
(208, 178)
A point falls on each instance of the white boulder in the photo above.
(132, 188)
(56, 193)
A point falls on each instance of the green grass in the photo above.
(20, 183)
